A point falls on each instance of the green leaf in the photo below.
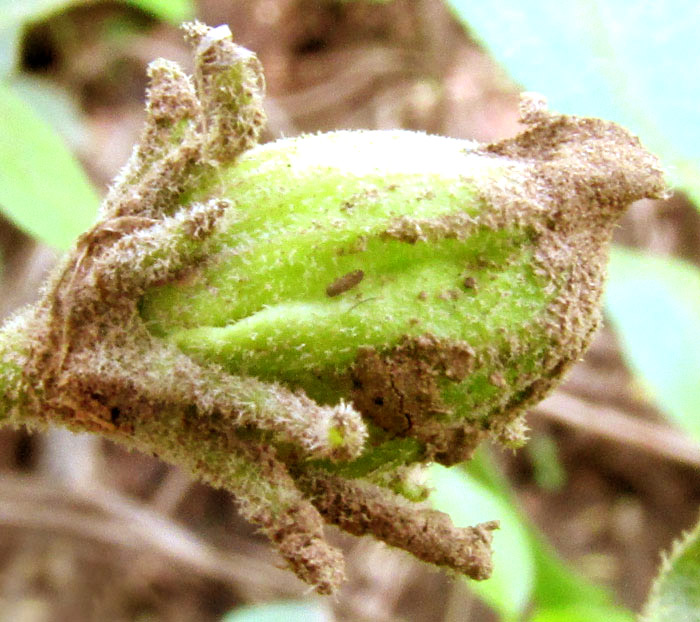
(561, 589)
(582, 613)
(547, 469)
(55, 104)
(291, 611)
(468, 502)
(654, 303)
(675, 595)
(42, 187)
(556, 587)
(173, 11)
(627, 61)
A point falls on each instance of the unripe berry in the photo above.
(439, 285)
(307, 322)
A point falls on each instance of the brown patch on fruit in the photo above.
(399, 391)
(469, 282)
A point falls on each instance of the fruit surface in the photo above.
(439, 284)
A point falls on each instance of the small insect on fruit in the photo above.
(344, 283)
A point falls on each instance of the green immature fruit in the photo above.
(306, 323)
(440, 285)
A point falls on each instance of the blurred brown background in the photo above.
(90, 532)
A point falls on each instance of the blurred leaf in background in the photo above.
(290, 611)
(16, 15)
(634, 63)
(54, 104)
(528, 576)
(173, 11)
(581, 613)
(547, 470)
(469, 502)
(43, 189)
(627, 61)
(654, 303)
(675, 596)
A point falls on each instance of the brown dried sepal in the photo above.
(360, 508)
